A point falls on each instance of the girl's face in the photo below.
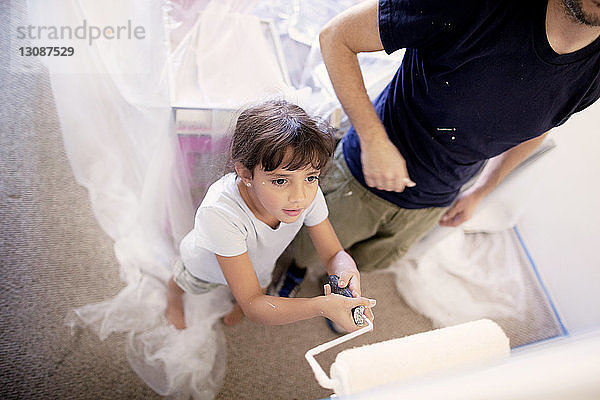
(280, 195)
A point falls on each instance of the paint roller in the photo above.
(396, 360)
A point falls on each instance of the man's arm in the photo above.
(349, 33)
(494, 172)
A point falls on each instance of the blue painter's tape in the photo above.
(537, 274)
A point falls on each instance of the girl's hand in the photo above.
(344, 267)
(351, 279)
(339, 309)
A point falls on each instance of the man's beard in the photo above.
(574, 9)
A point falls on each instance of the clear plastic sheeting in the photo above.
(184, 363)
(177, 363)
(224, 60)
(308, 17)
(464, 277)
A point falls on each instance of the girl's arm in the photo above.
(272, 310)
(333, 256)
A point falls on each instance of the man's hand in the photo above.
(494, 172)
(462, 209)
(383, 166)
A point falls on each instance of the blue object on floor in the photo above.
(291, 284)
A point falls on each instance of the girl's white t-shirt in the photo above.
(224, 225)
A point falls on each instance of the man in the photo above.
(480, 80)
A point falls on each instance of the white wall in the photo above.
(561, 225)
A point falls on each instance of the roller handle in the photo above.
(358, 313)
(320, 374)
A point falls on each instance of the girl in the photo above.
(249, 217)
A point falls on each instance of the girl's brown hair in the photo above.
(264, 133)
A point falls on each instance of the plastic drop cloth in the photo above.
(145, 127)
(475, 271)
(464, 277)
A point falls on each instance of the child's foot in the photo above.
(234, 317)
(175, 305)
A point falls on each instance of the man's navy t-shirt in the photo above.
(478, 77)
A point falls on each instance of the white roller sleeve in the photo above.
(400, 359)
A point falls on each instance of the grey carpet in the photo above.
(55, 257)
